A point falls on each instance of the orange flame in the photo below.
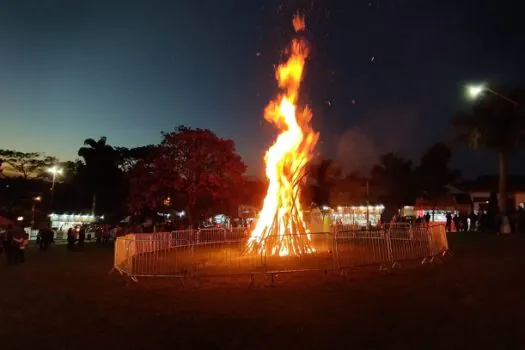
(281, 229)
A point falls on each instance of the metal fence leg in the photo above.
(397, 265)
(273, 280)
(436, 259)
(390, 251)
(448, 252)
(252, 281)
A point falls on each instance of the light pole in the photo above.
(54, 171)
(36, 199)
(474, 91)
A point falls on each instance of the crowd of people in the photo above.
(15, 240)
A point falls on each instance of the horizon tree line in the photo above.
(200, 172)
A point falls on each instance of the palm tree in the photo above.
(100, 167)
(97, 152)
(496, 125)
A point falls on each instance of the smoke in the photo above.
(397, 129)
(356, 151)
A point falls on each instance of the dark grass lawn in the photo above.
(63, 300)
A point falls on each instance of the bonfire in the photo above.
(280, 228)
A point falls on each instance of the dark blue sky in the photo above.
(384, 75)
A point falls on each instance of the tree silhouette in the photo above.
(128, 157)
(323, 175)
(433, 172)
(194, 166)
(100, 174)
(27, 164)
(496, 125)
(396, 178)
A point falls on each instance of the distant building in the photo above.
(481, 188)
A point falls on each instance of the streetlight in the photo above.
(36, 199)
(55, 171)
(474, 91)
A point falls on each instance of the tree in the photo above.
(497, 125)
(323, 176)
(433, 172)
(128, 157)
(193, 165)
(98, 152)
(396, 178)
(30, 164)
(100, 174)
(70, 169)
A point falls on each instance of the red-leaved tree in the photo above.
(195, 166)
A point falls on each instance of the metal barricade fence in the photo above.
(318, 253)
(122, 255)
(408, 242)
(357, 246)
(438, 240)
(218, 251)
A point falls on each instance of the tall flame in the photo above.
(280, 229)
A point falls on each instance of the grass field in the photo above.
(64, 300)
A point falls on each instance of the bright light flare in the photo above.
(280, 229)
(474, 91)
(55, 170)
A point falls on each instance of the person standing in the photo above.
(455, 220)
(81, 237)
(474, 222)
(448, 225)
(46, 237)
(70, 239)
(105, 234)
(20, 240)
(427, 218)
(464, 222)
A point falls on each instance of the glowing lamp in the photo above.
(474, 91)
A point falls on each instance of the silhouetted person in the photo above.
(98, 235)
(464, 222)
(105, 234)
(427, 218)
(70, 239)
(473, 221)
(20, 241)
(46, 238)
(448, 225)
(455, 220)
(81, 237)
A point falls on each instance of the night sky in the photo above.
(384, 75)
